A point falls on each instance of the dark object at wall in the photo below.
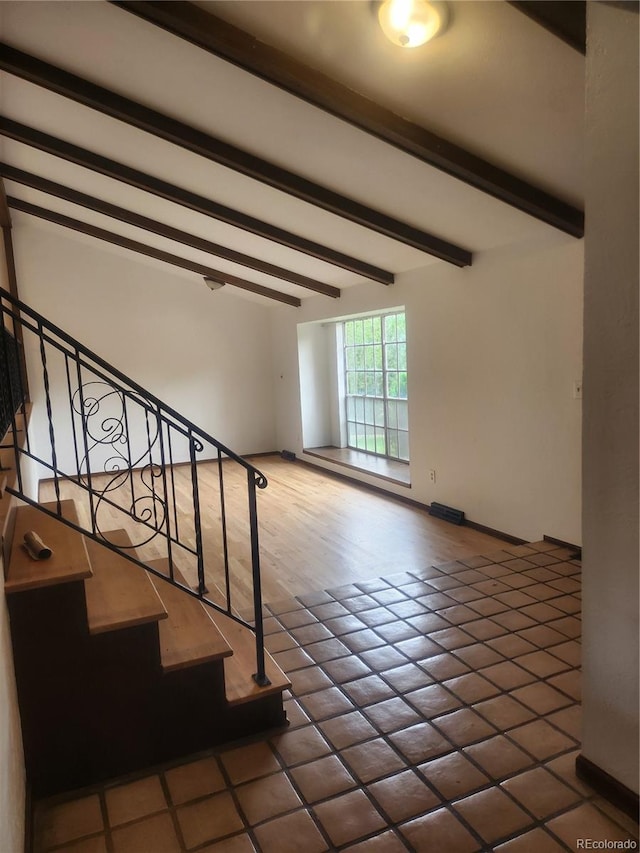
(455, 516)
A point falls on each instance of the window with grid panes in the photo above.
(375, 363)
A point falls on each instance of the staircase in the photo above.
(117, 671)
(128, 648)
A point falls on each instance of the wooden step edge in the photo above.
(120, 594)
(240, 685)
(69, 560)
(188, 637)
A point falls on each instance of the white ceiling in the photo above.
(494, 82)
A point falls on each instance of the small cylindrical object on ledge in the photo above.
(35, 546)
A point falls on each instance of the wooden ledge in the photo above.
(69, 560)
(119, 595)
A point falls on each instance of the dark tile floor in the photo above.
(434, 711)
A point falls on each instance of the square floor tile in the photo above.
(295, 715)
(471, 687)
(327, 650)
(507, 675)
(457, 614)
(344, 624)
(569, 720)
(513, 620)
(569, 683)
(464, 727)
(208, 820)
(280, 642)
(249, 762)
(291, 659)
(361, 640)
(377, 616)
(346, 669)
(407, 677)
(326, 703)
(391, 715)
(540, 792)
(303, 744)
(542, 636)
(349, 817)
(155, 833)
(372, 760)
(493, 814)
(322, 778)
(483, 629)
(537, 840)
(420, 742)
(348, 729)
(297, 618)
(433, 700)
(511, 646)
(504, 712)
(393, 632)
(67, 821)
(291, 834)
(193, 780)
(403, 796)
(427, 622)
(454, 775)
(367, 690)
(383, 842)
(452, 638)
(328, 610)
(267, 798)
(478, 655)
(384, 657)
(541, 698)
(136, 799)
(498, 757)
(418, 648)
(541, 663)
(541, 740)
(564, 766)
(439, 831)
(444, 666)
(309, 680)
(586, 821)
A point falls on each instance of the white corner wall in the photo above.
(207, 355)
(493, 353)
(610, 428)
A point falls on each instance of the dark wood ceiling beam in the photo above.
(150, 251)
(566, 19)
(133, 177)
(239, 47)
(5, 216)
(178, 133)
(122, 215)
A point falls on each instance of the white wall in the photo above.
(208, 355)
(493, 352)
(12, 774)
(610, 431)
(315, 343)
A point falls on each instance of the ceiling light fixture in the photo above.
(212, 284)
(410, 23)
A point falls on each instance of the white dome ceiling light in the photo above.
(411, 23)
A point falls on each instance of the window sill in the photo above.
(377, 466)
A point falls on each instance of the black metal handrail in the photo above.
(130, 458)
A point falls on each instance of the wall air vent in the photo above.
(455, 516)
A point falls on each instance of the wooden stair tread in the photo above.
(188, 636)
(69, 560)
(120, 594)
(239, 670)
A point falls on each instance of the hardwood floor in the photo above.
(316, 531)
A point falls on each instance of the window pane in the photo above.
(391, 355)
(358, 355)
(402, 356)
(348, 333)
(379, 412)
(369, 361)
(377, 329)
(401, 327)
(368, 411)
(403, 445)
(392, 384)
(379, 385)
(350, 359)
(352, 383)
(368, 330)
(351, 434)
(378, 357)
(402, 385)
(358, 334)
(403, 415)
(359, 409)
(381, 446)
(362, 382)
(392, 415)
(392, 443)
(390, 327)
(351, 409)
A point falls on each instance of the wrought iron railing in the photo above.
(130, 461)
